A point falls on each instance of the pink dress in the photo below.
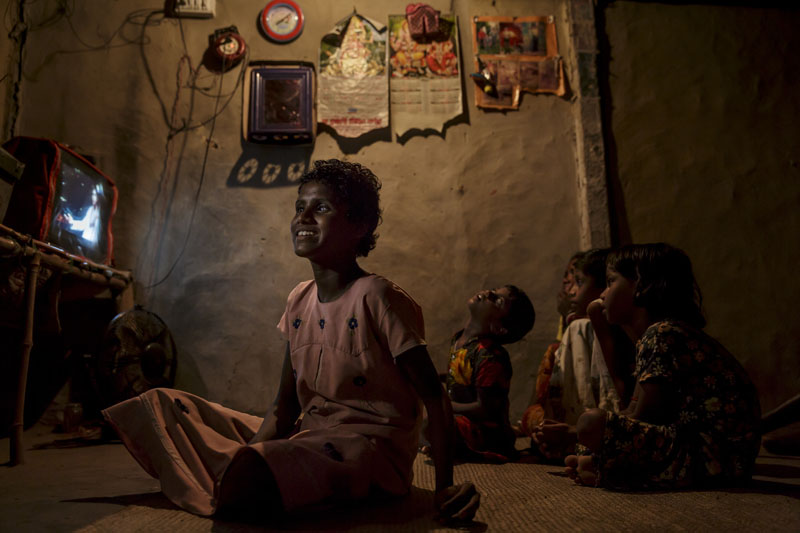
(360, 415)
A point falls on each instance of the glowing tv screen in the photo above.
(82, 208)
(62, 199)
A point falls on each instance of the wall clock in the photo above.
(282, 20)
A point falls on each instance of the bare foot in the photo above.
(581, 469)
(571, 462)
(555, 439)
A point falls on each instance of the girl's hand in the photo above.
(457, 503)
(595, 310)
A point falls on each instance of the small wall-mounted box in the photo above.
(279, 103)
(194, 8)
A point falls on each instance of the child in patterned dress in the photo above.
(694, 415)
(346, 419)
(479, 373)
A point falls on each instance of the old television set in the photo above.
(62, 199)
(279, 103)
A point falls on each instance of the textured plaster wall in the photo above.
(9, 56)
(705, 109)
(491, 201)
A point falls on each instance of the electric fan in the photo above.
(137, 354)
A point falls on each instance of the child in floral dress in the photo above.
(479, 373)
(694, 415)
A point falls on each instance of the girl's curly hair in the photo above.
(357, 188)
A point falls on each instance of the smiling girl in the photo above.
(346, 420)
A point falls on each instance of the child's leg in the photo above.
(590, 429)
(253, 496)
(630, 454)
(581, 469)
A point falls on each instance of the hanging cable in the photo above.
(199, 189)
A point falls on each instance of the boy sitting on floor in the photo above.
(479, 373)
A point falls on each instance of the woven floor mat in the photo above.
(514, 498)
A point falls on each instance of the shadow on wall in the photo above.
(352, 145)
(266, 166)
(618, 214)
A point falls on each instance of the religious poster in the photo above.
(513, 55)
(353, 97)
(425, 80)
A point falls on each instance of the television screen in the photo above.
(82, 206)
(62, 198)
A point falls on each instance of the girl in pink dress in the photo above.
(345, 422)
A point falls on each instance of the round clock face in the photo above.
(282, 20)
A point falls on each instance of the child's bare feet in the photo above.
(555, 439)
(571, 468)
(581, 469)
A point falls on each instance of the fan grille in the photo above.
(138, 354)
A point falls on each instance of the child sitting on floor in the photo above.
(345, 422)
(580, 378)
(534, 414)
(694, 415)
(479, 373)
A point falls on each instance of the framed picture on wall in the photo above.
(515, 55)
(279, 103)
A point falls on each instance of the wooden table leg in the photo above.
(17, 448)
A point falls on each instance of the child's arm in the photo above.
(285, 409)
(605, 337)
(490, 400)
(460, 501)
(650, 403)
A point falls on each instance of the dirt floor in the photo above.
(67, 484)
